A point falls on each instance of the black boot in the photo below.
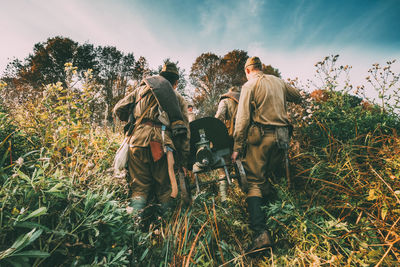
(262, 238)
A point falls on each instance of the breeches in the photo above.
(260, 161)
(147, 177)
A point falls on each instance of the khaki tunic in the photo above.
(262, 100)
(264, 103)
(226, 108)
(191, 116)
(147, 176)
(225, 112)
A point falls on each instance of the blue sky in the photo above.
(290, 35)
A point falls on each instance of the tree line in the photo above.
(115, 73)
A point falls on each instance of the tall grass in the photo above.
(62, 205)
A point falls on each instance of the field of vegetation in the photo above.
(61, 204)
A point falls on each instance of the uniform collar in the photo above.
(255, 75)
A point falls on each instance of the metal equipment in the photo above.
(210, 149)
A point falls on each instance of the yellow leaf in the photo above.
(384, 212)
(15, 211)
(372, 195)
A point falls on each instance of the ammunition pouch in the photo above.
(254, 135)
(282, 137)
(282, 134)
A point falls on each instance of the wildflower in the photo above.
(129, 210)
(15, 211)
(19, 161)
(90, 165)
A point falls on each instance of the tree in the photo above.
(206, 76)
(141, 69)
(212, 76)
(115, 69)
(268, 69)
(46, 64)
(233, 67)
(85, 58)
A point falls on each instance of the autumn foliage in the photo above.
(62, 204)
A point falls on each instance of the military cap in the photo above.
(171, 68)
(252, 61)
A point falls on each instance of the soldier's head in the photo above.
(170, 72)
(253, 64)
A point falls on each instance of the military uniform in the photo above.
(262, 103)
(147, 162)
(191, 115)
(226, 112)
(261, 112)
(227, 108)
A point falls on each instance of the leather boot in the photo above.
(262, 237)
(167, 207)
(137, 204)
(136, 208)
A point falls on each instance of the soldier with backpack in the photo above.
(160, 138)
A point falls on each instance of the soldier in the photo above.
(261, 132)
(227, 109)
(161, 127)
(191, 114)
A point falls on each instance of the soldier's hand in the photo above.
(234, 156)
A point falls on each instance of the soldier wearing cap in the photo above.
(160, 125)
(261, 132)
(191, 114)
(226, 112)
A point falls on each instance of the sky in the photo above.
(289, 35)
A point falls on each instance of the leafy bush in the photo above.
(66, 225)
(14, 143)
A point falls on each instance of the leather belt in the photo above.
(266, 126)
(151, 123)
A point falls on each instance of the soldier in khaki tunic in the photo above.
(261, 127)
(191, 114)
(227, 109)
(149, 142)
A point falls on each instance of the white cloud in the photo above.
(222, 28)
(29, 22)
(300, 63)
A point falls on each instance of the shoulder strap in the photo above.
(231, 129)
(252, 102)
(152, 103)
